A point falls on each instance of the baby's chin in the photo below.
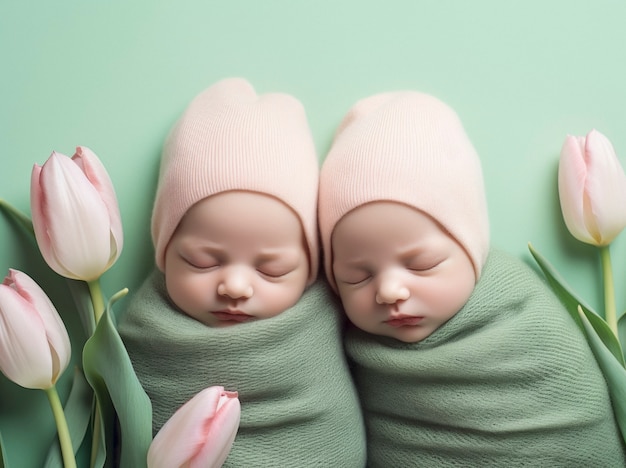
(210, 320)
(406, 334)
(227, 324)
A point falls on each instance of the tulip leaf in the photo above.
(77, 411)
(120, 396)
(613, 370)
(82, 299)
(2, 454)
(621, 330)
(572, 302)
(18, 217)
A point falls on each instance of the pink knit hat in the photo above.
(231, 139)
(409, 148)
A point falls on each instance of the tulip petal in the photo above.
(180, 437)
(606, 188)
(54, 327)
(571, 182)
(76, 219)
(96, 173)
(194, 426)
(37, 202)
(24, 351)
(220, 436)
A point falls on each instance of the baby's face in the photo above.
(236, 257)
(399, 274)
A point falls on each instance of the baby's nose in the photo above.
(235, 283)
(391, 288)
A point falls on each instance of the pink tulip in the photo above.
(592, 189)
(200, 433)
(75, 215)
(34, 345)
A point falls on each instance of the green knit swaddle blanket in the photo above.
(299, 406)
(508, 381)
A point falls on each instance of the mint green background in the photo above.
(114, 76)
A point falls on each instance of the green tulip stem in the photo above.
(610, 310)
(97, 299)
(64, 434)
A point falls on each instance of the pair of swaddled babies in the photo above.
(418, 345)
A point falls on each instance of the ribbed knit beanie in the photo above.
(410, 148)
(229, 138)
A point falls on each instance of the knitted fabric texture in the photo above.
(299, 406)
(508, 381)
(409, 148)
(229, 138)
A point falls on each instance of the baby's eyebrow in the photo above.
(412, 250)
(268, 255)
(211, 249)
(358, 262)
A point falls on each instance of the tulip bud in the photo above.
(34, 345)
(592, 189)
(75, 215)
(200, 433)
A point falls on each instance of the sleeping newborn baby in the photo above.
(235, 300)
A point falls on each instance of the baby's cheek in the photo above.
(354, 305)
